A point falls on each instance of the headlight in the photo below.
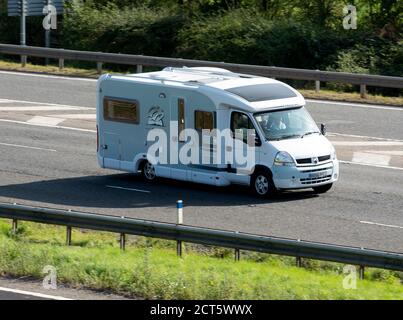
(284, 159)
(333, 155)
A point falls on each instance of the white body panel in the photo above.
(124, 146)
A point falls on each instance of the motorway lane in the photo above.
(64, 174)
(341, 118)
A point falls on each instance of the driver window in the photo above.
(241, 121)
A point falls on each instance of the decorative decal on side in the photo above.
(156, 116)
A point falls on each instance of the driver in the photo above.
(276, 123)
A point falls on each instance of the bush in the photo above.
(128, 30)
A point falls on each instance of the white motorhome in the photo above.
(288, 149)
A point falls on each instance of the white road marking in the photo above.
(47, 126)
(371, 165)
(367, 143)
(50, 121)
(43, 108)
(33, 294)
(25, 74)
(129, 189)
(358, 136)
(25, 147)
(369, 158)
(42, 103)
(388, 152)
(79, 116)
(359, 105)
(382, 225)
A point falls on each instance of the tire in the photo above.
(262, 184)
(323, 189)
(148, 171)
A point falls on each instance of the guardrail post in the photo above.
(362, 272)
(68, 236)
(122, 241)
(317, 86)
(99, 67)
(363, 91)
(298, 262)
(23, 61)
(139, 68)
(14, 226)
(61, 64)
(237, 254)
(179, 245)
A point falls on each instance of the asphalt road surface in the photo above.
(45, 165)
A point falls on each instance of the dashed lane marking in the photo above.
(361, 137)
(382, 224)
(25, 147)
(129, 189)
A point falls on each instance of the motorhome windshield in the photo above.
(286, 124)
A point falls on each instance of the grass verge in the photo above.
(92, 73)
(150, 269)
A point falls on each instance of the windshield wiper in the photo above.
(287, 136)
(308, 133)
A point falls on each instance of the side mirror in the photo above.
(323, 128)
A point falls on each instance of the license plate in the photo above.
(317, 175)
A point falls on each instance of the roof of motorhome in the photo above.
(253, 89)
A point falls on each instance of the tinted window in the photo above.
(262, 92)
(121, 110)
(204, 120)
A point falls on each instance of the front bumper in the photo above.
(305, 176)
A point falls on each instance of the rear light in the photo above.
(97, 140)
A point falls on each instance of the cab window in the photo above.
(241, 122)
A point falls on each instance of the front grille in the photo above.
(324, 158)
(315, 180)
(309, 160)
(315, 170)
(304, 161)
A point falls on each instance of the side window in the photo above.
(204, 120)
(241, 122)
(121, 110)
(181, 119)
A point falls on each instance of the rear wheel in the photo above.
(262, 184)
(148, 171)
(323, 189)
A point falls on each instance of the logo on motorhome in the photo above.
(156, 116)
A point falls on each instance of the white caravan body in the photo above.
(297, 156)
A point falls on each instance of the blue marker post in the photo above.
(179, 206)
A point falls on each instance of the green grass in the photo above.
(150, 269)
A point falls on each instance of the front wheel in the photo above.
(148, 171)
(323, 189)
(262, 184)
